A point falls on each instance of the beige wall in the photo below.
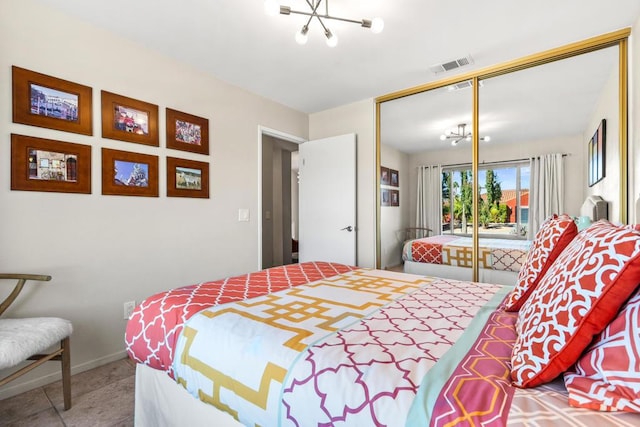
(394, 219)
(607, 108)
(105, 250)
(358, 117)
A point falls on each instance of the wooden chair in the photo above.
(24, 339)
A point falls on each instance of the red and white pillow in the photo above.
(555, 233)
(607, 376)
(576, 299)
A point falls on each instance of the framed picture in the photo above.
(128, 119)
(394, 177)
(385, 197)
(395, 197)
(49, 102)
(385, 178)
(129, 174)
(46, 165)
(597, 154)
(187, 178)
(187, 132)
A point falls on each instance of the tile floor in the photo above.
(99, 397)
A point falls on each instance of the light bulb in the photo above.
(271, 7)
(301, 36)
(377, 25)
(332, 39)
(468, 137)
(443, 137)
(454, 142)
(486, 139)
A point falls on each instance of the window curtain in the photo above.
(429, 200)
(547, 190)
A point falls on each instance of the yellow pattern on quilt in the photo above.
(462, 256)
(236, 356)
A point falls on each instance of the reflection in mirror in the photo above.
(542, 121)
(423, 136)
(566, 112)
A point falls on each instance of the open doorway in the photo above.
(279, 199)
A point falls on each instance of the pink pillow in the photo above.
(578, 296)
(555, 233)
(607, 376)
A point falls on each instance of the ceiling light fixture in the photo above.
(272, 8)
(459, 135)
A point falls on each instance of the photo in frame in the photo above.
(127, 119)
(385, 197)
(596, 152)
(49, 102)
(394, 195)
(394, 179)
(129, 174)
(187, 132)
(385, 178)
(39, 164)
(187, 178)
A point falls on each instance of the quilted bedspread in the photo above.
(350, 349)
(155, 324)
(327, 344)
(448, 249)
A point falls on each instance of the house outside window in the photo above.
(503, 202)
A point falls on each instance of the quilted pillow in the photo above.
(555, 233)
(607, 376)
(578, 296)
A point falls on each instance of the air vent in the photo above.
(451, 65)
(467, 84)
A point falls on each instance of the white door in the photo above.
(327, 200)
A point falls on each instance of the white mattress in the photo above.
(485, 275)
(162, 402)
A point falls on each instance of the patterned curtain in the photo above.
(547, 190)
(429, 200)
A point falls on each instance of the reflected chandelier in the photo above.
(460, 134)
(272, 8)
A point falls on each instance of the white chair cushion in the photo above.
(22, 338)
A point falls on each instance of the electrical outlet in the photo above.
(129, 306)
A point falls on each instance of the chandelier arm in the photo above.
(312, 14)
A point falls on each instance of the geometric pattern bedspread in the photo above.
(447, 249)
(349, 346)
(349, 349)
(156, 323)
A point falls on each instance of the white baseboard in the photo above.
(16, 387)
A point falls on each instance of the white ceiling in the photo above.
(235, 41)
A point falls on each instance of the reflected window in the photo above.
(503, 199)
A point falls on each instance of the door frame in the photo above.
(263, 130)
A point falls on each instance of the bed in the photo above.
(330, 344)
(450, 256)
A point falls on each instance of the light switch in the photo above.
(243, 215)
(267, 215)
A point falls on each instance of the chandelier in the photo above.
(459, 135)
(272, 8)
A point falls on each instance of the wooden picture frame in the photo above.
(129, 174)
(187, 132)
(385, 197)
(49, 102)
(127, 119)
(597, 154)
(394, 178)
(394, 195)
(39, 164)
(385, 177)
(187, 178)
